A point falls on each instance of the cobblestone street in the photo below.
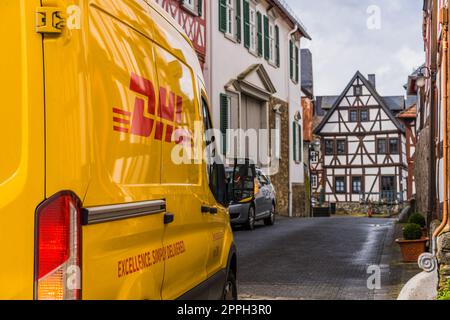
(320, 259)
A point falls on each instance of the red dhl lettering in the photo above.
(144, 120)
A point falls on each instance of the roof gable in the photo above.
(368, 89)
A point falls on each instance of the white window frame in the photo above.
(278, 136)
(315, 157)
(272, 49)
(314, 181)
(231, 17)
(298, 157)
(253, 29)
(190, 4)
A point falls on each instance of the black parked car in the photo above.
(262, 207)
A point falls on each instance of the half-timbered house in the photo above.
(408, 117)
(363, 147)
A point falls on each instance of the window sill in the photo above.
(230, 37)
(273, 64)
(253, 53)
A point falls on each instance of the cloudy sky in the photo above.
(373, 36)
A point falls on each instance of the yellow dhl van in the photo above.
(92, 204)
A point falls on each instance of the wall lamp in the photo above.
(423, 75)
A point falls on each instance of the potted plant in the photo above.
(413, 244)
(419, 219)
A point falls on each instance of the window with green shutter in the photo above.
(266, 38)
(294, 61)
(291, 59)
(247, 24)
(277, 46)
(300, 142)
(297, 64)
(224, 119)
(223, 16)
(260, 34)
(238, 21)
(200, 7)
(295, 141)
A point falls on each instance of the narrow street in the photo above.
(320, 259)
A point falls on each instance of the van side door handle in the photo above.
(169, 218)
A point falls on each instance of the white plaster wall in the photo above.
(227, 59)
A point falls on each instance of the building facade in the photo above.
(363, 147)
(408, 118)
(253, 76)
(431, 84)
(307, 85)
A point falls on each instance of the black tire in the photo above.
(230, 288)
(270, 221)
(250, 225)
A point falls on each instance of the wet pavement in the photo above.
(322, 258)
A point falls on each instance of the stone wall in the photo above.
(356, 208)
(443, 246)
(280, 180)
(299, 196)
(421, 171)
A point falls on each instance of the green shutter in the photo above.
(247, 24)
(277, 45)
(238, 21)
(295, 141)
(291, 56)
(297, 64)
(260, 34)
(300, 137)
(200, 7)
(224, 120)
(223, 16)
(266, 38)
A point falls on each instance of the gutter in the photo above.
(289, 117)
(444, 227)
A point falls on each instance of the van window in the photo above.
(177, 115)
(211, 167)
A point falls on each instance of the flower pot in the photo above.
(412, 249)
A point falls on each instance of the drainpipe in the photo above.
(444, 227)
(289, 117)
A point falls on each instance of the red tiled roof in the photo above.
(409, 113)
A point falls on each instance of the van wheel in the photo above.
(251, 219)
(230, 288)
(270, 221)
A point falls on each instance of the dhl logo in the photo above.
(145, 121)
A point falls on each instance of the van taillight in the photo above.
(58, 252)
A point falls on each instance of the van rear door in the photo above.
(22, 145)
(101, 92)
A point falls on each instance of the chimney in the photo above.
(372, 80)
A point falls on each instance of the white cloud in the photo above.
(342, 43)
